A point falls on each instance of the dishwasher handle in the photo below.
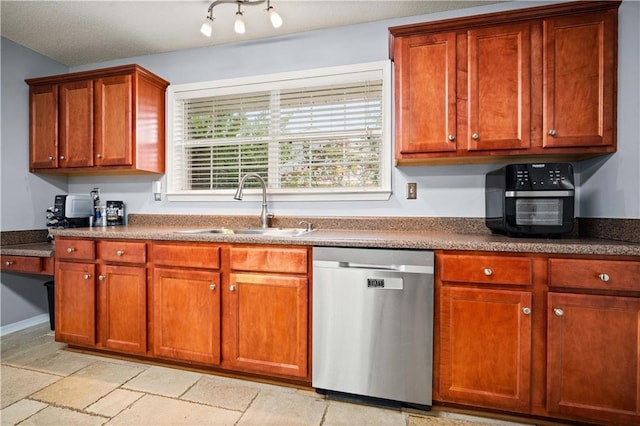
(417, 269)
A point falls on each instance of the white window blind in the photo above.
(325, 133)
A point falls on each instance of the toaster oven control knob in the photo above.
(604, 277)
(475, 136)
(488, 272)
(452, 138)
(552, 132)
(70, 250)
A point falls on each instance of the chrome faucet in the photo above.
(264, 216)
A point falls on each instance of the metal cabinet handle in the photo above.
(488, 272)
(86, 276)
(120, 253)
(604, 278)
(8, 263)
(475, 136)
(212, 286)
(51, 158)
(62, 157)
(526, 310)
(102, 277)
(559, 312)
(552, 132)
(98, 155)
(232, 288)
(452, 138)
(70, 250)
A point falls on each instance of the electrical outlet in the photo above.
(412, 191)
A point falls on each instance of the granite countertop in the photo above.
(370, 238)
(43, 249)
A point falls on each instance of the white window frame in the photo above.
(330, 75)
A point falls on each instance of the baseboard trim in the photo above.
(21, 325)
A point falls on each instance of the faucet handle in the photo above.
(309, 225)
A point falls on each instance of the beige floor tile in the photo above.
(284, 408)
(344, 413)
(87, 385)
(61, 362)
(221, 392)
(18, 383)
(113, 403)
(61, 416)
(163, 381)
(23, 354)
(19, 411)
(159, 410)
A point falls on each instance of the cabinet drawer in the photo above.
(122, 251)
(485, 269)
(186, 255)
(269, 259)
(23, 264)
(594, 274)
(75, 249)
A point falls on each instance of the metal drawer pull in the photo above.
(475, 136)
(8, 263)
(120, 253)
(86, 276)
(559, 312)
(526, 310)
(212, 286)
(552, 132)
(232, 288)
(101, 277)
(70, 250)
(488, 272)
(452, 138)
(604, 277)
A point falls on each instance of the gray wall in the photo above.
(608, 186)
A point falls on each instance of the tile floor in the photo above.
(45, 384)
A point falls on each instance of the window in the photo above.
(321, 134)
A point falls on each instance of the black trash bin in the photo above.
(51, 294)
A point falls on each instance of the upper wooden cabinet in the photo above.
(101, 121)
(537, 82)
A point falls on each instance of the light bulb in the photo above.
(238, 26)
(276, 20)
(206, 28)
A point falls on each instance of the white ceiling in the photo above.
(90, 31)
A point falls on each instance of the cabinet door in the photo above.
(114, 121)
(579, 90)
(186, 315)
(43, 127)
(76, 124)
(485, 347)
(75, 295)
(266, 324)
(499, 66)
(123, 308)
(425, 93)
(594, 357)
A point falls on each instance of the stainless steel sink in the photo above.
(276, 232)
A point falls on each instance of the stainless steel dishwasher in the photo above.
(373, 323)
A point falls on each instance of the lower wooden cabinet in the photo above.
(75, 303)
(266, 324)
(485, 346)
(593, 363)
(186, 315)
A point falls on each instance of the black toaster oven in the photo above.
(534, 200)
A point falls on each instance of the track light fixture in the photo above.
(238, 25)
